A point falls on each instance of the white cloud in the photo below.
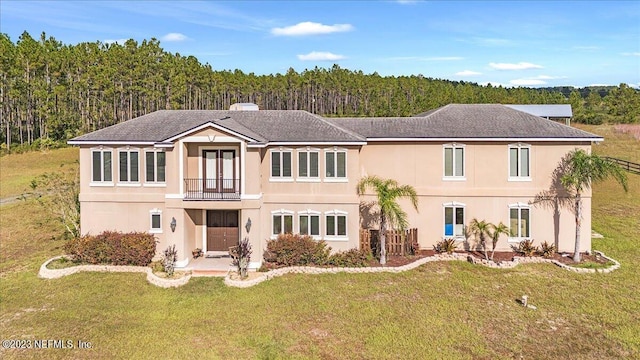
(320, 56)
(468, 73)
(492, 41)
(518, 66)
(310, 28)
(527, 82)
(406, 2)
(547, 77)
(174, 37)
(115, 41)
(631, 54)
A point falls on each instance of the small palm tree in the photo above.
(481, 229)
(494, 234)
(583, 169)
(391, 215)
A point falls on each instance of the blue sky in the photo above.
(534, 44)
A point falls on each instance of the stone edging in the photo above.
(439, 257)
(47, 273)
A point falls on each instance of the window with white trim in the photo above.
(101, 167)
(519, 161)
(281, 164)
(309, 223)
(519, 221)
(335, 164)
(281, 222)
(454, 219)
(454, 161)
(155, 217)
(155, 166)
(308, 164)
(128, 161)
(336, 223)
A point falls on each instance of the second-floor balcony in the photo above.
(212, 189)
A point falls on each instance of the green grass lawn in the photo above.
(440, 310)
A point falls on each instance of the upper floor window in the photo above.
(309, 223)
(519, 221)
(128, 160)
(101, 167)
(519, 161)
(281, 164)
(308, 164)
(336, 164)
(155, 163)
(282, 222)
(454, 220)
(454, 161)
(336, 223)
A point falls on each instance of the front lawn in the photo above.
(440, 310)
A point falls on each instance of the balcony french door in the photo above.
(219, 170)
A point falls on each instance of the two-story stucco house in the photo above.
(205, 179)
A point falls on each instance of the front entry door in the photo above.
(222, 229)
(219, 170)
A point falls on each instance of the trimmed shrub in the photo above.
(295, 249)
(350, 258)
(115, 248)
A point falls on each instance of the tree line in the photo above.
(52, 91)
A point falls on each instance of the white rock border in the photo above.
(438, 257)
(46, 273)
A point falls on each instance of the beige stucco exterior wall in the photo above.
(486, 191)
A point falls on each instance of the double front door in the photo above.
(219, 171)
(222, 229)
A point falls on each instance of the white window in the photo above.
(335, 164)
(282, 222)
(155, 216)
(519, 221)
(128, 161)
(309, 223)
(519, 161)
(308, 164)
(336, 224)
(280, 164)
(155, 166)
(101, 167)
(454, 161)
(454, 219)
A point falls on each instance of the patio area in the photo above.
(211, 264)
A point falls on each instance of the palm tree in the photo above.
(583, 169)
(481, 229)
(391, 215)
(494, 233)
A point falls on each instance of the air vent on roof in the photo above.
(244, 106)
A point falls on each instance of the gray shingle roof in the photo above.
(282, 126)
(464, 121)
(261, 126)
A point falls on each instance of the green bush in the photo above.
(295, 249)
(115, 248)
(350, 258)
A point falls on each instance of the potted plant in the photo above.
(196, 253)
